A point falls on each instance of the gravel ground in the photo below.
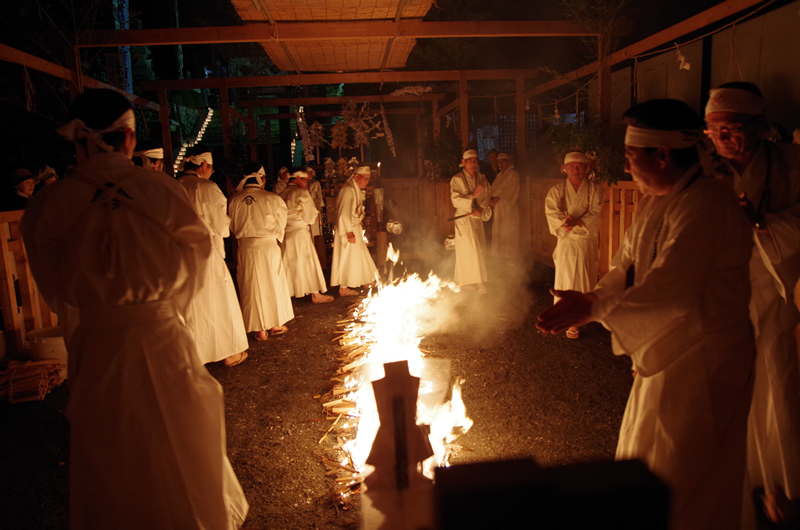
(558, 401)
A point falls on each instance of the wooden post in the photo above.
(463, 109)
(603, 82)
(226, 120)
(270, 155)
(436, 120)
(522, 141)
(166, 135)
(252, 132)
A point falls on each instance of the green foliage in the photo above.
(605, 144)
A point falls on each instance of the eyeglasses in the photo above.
(729, 129)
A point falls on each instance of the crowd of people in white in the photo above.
(701, 296)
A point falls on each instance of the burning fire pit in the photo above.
(384, 329)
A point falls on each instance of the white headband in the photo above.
(258, 175)
(363, 170)
(157, 153)
(78, 130)
(641, 137)
(469, 153)
(735, 100)
(504, 156)
(199, 159)
(577, 156)
(299, 175)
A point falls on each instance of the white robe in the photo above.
(258, 220)
(352, 264)
(505, 224)
(774, 424)
(280, 185)
(214, 317)
(684, 322)
(470, 236)
(315, 190)
(120, 264)
(299, 254)
(575, 256)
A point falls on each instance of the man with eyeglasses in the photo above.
(766, 178)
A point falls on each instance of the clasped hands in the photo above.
(574, 309)
(572, 222)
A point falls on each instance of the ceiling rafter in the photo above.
(311, 31)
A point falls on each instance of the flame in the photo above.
(385, 328)
(392, 254)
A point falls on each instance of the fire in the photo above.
(385, 328)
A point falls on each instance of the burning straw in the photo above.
(384, 328)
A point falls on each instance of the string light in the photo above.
(186, 145)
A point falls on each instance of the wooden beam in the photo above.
(316, 31)
(238, 115)
(521, 138)
(336, 78)
(312, 101)
(463, 108)
(12, 55)
(697, 22)
(447, 109)
(166, 135)
(436, 120)
(332, 113)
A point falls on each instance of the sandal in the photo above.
(242, 356)
(346, 291)
(280, 331)
(321, 299)
(260, 337)
(573, 334)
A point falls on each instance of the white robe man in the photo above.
(258, 220)
(315, 190)
(150, 158)
(119, 252)
(299, 255)
(214, 316)
(283, 180)
(573, 210)
(352, 264)
(505, 213)
(470, 194)
(766, 176)
(676, 301)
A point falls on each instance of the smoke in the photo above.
(477, 316)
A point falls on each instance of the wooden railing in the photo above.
(23, 307)
(621, 201)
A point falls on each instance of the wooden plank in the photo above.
(336, 78)
(29, 296)
(321, 31)
(12, 321)
(450, 107)
(699, 21)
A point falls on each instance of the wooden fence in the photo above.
(420, 202)
(23, 307)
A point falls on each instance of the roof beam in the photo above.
(288, 102)
(12, 55)
(697, 22)
(336, 78)
(304, 31)
(336, 113)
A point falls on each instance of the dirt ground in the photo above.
(556, 400)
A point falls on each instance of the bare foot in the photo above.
(278, 330)
(261, 335)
